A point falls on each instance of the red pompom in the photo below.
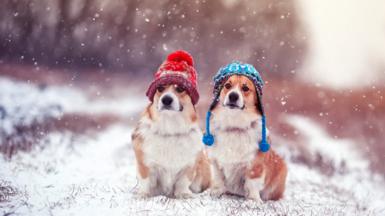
(181, 55)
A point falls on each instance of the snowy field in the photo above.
(67, 173)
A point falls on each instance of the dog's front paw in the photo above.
(217, 192)
(142, 194)
(255, 197)
(183, 195)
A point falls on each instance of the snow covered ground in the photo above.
(94, 174)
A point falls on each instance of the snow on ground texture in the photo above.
(23, 103)
(95, 175)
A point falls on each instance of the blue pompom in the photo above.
(208, 139)
(264, 146)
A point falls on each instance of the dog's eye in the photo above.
(245, 88)
(228, 85)
(179, 89)
(160, 89)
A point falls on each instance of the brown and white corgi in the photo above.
(170, 157)
(238, 166)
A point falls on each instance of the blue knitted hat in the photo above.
(223, 74)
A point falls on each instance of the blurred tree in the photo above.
(135, 35)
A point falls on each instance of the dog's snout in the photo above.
(167, 100)
(233, 97)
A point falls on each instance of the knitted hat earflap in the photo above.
(208, 138)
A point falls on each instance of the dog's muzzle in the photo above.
(234, 100)
(170, 102)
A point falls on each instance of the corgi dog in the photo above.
(238, 166)
(170, 156)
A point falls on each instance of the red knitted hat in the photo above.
(177, 69)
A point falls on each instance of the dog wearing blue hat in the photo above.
(236, 136)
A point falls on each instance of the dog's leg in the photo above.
(166, 181)
(144, 187)
(143, 171)
(202, 174)
(144, 182)
(254, 183)
(218, 180)
(183, 182)
(253, 187)
(197, 185)
(275, 188)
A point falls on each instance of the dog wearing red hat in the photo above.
(170, 157)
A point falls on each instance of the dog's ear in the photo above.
(214, 103)
(217, 93)
(258, 103)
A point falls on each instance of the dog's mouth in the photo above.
(171, 108)
(234, 106)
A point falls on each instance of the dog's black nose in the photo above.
(167, 100)
(233, 97)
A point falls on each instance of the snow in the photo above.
(94, 174)
(17, 109)
(24, 104)
(337, 150)
(355, 176)
(82, 174)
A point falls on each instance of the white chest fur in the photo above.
(234, 147)
(171, 152)
(170, 142)
(236, 136)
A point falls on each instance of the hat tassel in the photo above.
(208, 138)
(264, 145)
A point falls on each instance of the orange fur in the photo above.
(148, 112)
(137, 141)
(202, 170)
(274, 169)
